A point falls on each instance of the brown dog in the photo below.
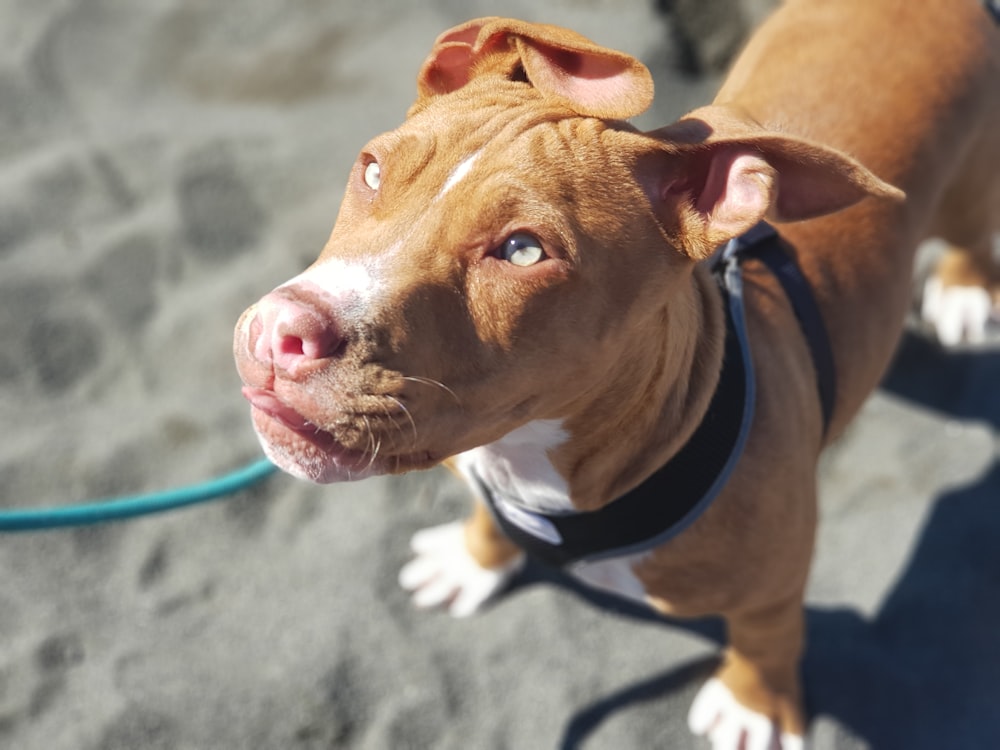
(520, 280)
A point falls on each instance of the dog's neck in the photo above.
(653, 399)
(621, 439)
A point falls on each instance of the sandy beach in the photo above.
(163, 164)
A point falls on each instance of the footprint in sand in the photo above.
(221, 217)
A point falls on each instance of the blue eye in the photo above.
(522, 249)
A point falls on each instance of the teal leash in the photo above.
(131, 506)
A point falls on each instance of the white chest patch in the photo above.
(518, 470)
(614, 575)
(522, 479)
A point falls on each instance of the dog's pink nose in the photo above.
(293, 333)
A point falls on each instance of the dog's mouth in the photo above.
(269, 404)
(304, 449)
(300, 446)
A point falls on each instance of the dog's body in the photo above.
(517, 278)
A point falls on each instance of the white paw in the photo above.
(957, 313)
(443, 573)
(729, 725)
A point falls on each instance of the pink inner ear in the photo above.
(466, 35)
(738, 191)
(450, 68)
(590, 80)
(600, 83)
(449, 65)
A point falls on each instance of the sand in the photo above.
(164, 163)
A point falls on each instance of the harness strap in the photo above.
(993, 7)
(763, 243)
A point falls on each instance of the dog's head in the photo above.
(498, 258)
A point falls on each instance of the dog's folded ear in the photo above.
(718, 173)
(593, 80)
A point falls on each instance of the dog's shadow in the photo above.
(925, 671)
(963, 384)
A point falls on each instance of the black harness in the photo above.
(993, 6)
(679, 492)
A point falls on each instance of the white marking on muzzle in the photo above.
(338, 278)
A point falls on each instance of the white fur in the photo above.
(458, 174)
(518, 470)
(517, 466)
(957, 313)
(345, 282)
(443, 573)
(523, 479)
(729, 725)
(614, 575)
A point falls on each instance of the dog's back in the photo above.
(922, 112)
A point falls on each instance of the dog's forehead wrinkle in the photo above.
(464, 129)
(406, 153)
(521, 153)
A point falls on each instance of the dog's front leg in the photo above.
(460, 565)
(754, 701)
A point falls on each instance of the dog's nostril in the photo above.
(292, 346)
(295, 349)
(321, 346)
(293, 334)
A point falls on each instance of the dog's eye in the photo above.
(522, 249)
(373, 175)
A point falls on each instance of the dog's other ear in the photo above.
(719, 173)
(593, 80)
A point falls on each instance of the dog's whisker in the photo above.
(390, 416)
(433, 383)
(409, 416)
(370, 434)
(375, 451)
(374, 443)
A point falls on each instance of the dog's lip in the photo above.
(268, 403)
(271, 412)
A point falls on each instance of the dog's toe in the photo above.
(957, 313)
(729, 725)
(444, 574)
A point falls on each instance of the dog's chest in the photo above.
(517, 472)
(517, 469)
